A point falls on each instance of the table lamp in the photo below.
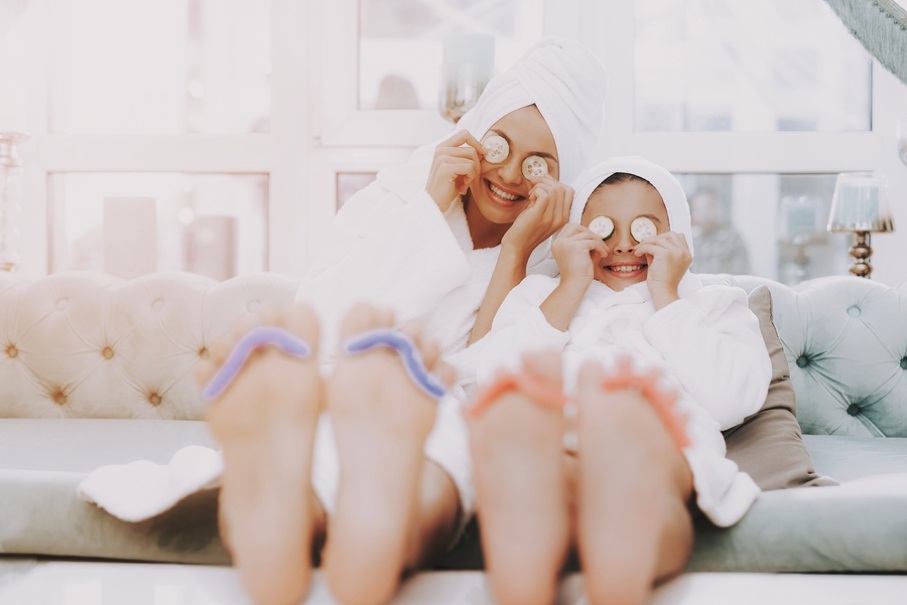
(860, 205)
(468, 65)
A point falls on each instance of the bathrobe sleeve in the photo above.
(712, 343)
(518, 327)
(387, 250)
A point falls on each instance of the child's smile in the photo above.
(622, 203)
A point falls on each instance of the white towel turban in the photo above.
(675, 200)
(567, 83)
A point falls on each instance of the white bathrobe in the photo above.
(390, 244)
(707, 345)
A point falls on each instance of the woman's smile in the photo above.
(502, 196)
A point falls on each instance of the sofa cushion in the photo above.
(859, 526)
(43, 460)
(768, 445)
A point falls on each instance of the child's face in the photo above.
(501, 191)
(623, 202)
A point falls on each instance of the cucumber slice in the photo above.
(534, 167)
(602, 226)
(496, 148)
(642, 227)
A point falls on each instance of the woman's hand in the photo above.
(573, 249)
(548, 211)
(455, 167)
(668, 257)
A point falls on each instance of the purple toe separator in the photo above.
(256, 338)
(409, 354)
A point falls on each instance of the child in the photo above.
(654, 364)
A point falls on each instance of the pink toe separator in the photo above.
(663, 401)
(538, 390)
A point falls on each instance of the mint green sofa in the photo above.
(95, 370)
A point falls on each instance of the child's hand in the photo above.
(547, 211)
(573, 250)
(668, 257)
(454, 168)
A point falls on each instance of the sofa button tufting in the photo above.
(59, 398)
(203, 353)
(904, 363)
(62, 304)
(802, 361)
(854, 410)
(154, 399)
(158, 304)
(253, 306)
(12, 351)
(107, 353)
(854, 311)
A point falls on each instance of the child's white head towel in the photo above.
(667, 185)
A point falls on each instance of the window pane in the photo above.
(212, 224)
(161, 66)
(349, 183)
(400, 43)
(707, 65)
(765, 224)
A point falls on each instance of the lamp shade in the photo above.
(860, 203)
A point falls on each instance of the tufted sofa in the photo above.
(95, 370)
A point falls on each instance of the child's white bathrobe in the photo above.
(390, 245)
(707, 345)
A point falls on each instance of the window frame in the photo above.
(317, 131)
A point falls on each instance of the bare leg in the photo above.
(381, 421)
(634, 528)
(517, 450)
(265, 422)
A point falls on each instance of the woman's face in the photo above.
(501, 191)
(622, 202)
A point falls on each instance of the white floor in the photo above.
(27, 582)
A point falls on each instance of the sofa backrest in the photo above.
(89, 345)
(846, 343)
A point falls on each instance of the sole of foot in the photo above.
(381, 420)
(265, 424)
(521, 490)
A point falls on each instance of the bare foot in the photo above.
(520, 475)
(265, 422)
(381, 420)
(633, 485)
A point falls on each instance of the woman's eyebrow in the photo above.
(509, 142)
(652, 217)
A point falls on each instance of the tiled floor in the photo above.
(27, 582)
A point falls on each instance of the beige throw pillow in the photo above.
(769, 445)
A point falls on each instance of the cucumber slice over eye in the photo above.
(602, 226)
(496, 148)
(534, 167)
(642, 227)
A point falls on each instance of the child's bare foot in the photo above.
(518, 457)
(265, 422)
(633, 485)
(381, 420)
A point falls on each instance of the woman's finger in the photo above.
(463, 137)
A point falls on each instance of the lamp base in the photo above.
(861, 253)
